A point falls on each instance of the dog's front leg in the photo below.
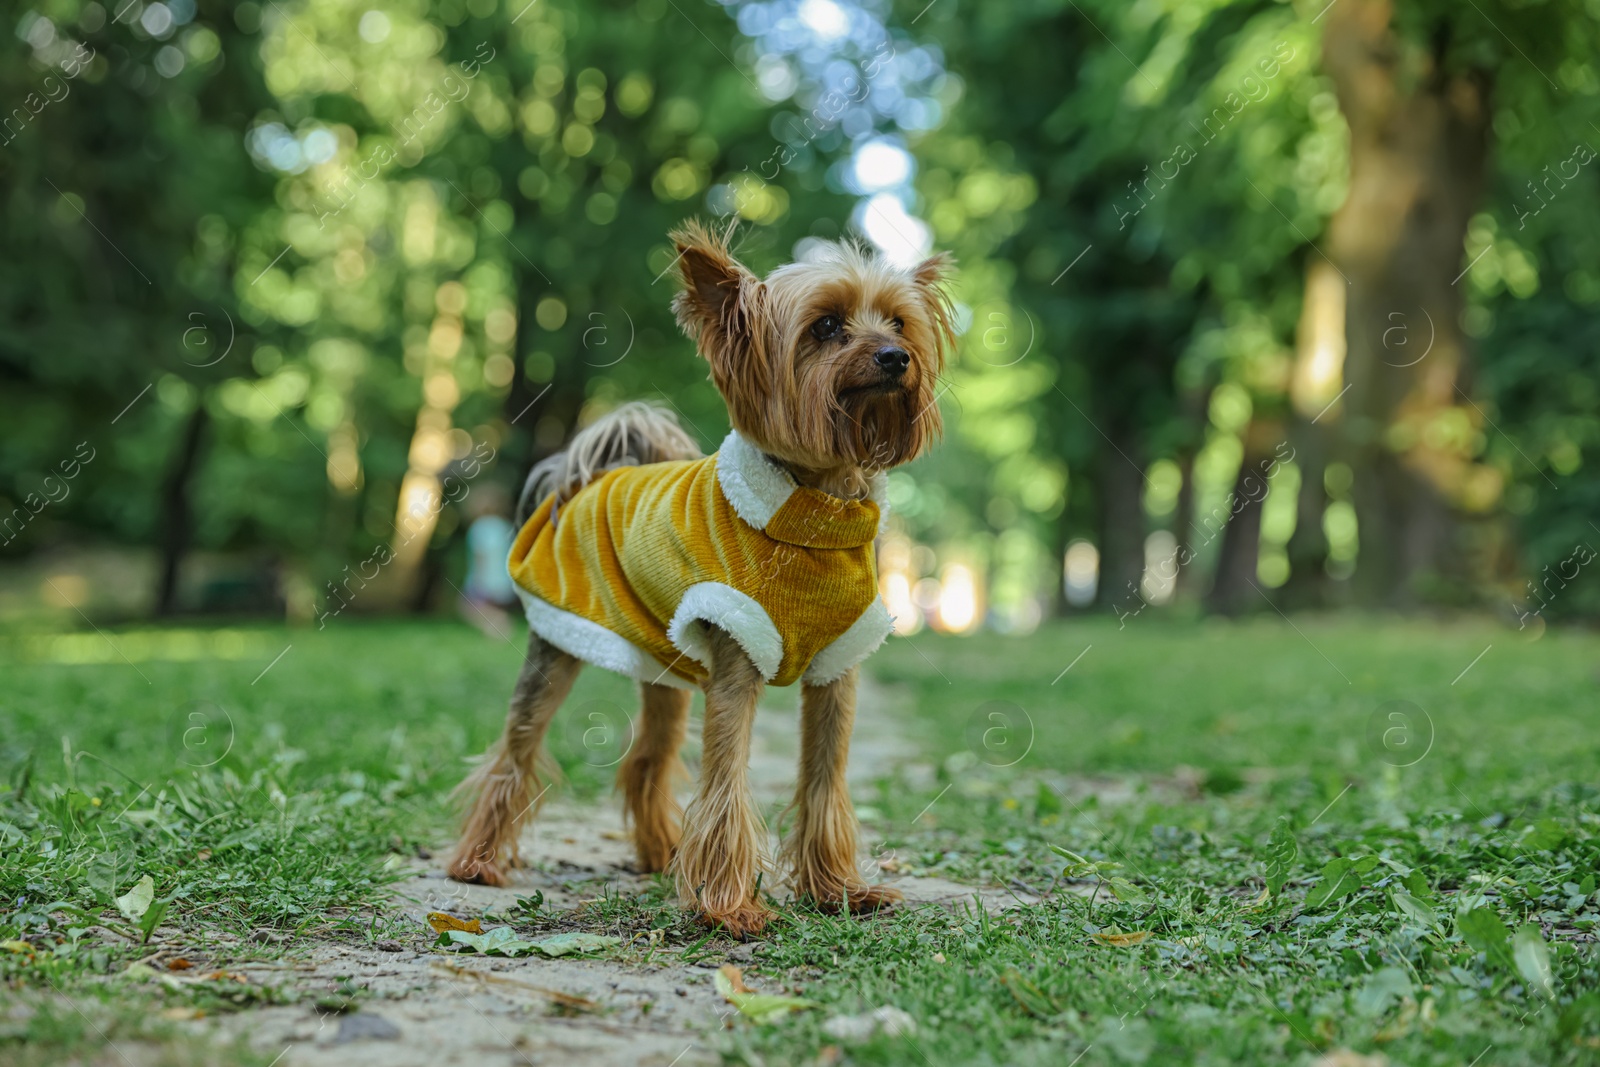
(724, 840)
(822, 850)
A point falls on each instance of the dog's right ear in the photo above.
(717, 305)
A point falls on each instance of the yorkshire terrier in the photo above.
(727, 573)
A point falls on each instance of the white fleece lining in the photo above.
(595, 644)
(878, 493)
(739, 615)
(852, 646)
(753, 484)
(758, 487)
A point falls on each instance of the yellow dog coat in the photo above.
(628, 573)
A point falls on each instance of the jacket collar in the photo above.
(757, 487)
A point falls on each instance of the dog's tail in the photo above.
(632, 435)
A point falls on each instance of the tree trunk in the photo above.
(1307, 586)
(1183, 531)
(1121, 523)
(177, 518)
(1234, 589)
(1419, 141)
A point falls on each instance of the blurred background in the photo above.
(1264, 306)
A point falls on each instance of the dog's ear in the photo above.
(718, 303)
(930, 277)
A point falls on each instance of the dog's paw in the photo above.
(859, 899)
(743, 923)
(476, 871)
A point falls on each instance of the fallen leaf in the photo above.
(615, 835)
(758, 1007)
(136, 901)
(1127, 940)
(183, 1014)
(504, 940)
(442, 921)
(566, 944)
(16, 946)
(203, 855)
(1532, 957)
(500, 939)
(735, 978)
(1339, 878)
(179, 964)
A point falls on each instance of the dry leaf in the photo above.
(179, 964)
(442, 921)
(1128, 940)
(735, 978)
(616, 835)
(183, 1014)
(16, 946)
(203, 855)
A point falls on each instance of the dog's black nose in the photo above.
(892, 359)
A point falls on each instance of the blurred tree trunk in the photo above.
(177, 516)
(1234, 588)
(1183, 529)
(1419, 139)
(1120, 481)
(1315, 394)
(1307, 586)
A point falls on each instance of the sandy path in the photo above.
(426, 1008)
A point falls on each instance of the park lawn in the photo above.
(1287, 839)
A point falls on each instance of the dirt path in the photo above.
(652, 1009)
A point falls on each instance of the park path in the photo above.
(428, 1009)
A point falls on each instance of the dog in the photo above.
(727, 573)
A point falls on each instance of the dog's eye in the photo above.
(826, 328)
(898, 323)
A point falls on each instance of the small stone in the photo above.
(364, 1027)
(390, 946)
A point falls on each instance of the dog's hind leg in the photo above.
(821, 852)
(649, 772)
(724, 840)
(505, 788)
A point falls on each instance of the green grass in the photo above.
(1432, 877)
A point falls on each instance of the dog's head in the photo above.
(828, 363)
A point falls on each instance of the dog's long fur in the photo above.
(806, 360)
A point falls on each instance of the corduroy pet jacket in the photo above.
(628, 573)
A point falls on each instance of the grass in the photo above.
(1286, 840)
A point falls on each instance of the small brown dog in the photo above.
(750, 567)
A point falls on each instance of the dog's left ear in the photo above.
(930, 277)
(717, 305)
